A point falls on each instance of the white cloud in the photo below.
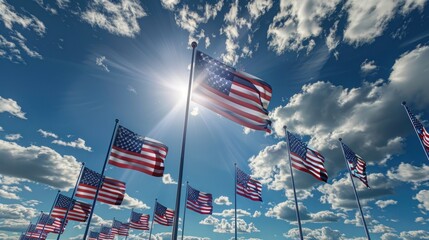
(62, 3)
(256, 214)
(100, 61)
(21, 40)
(297, 22)
(225, 226)
(11, 106)
(117, 17)
(1, 129)
(331, 40)
(8, 195)
(14, 217)
(47, 134)
(31, 203)
(10, 18)
(129, 203)
(195, 111)
(27, 188)
(78, 143)
(209, 220)
(13, 137)
(222, 200)
(131, 89)
(368, 66)
(324, 233)
(169, 4)
(385, 203)
(406, 235)
(47, 166)
(258, 8)
(406, 172)
(167, 179)
(423, 197)
(231, 213)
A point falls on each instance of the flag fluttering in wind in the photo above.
(33, 233)
(420, 130)
(356, 164)
(116, 225)
(112, 191)
(106, 233)
(236, 95)
(306, 159)
(248, 187)
(79, 211)
(123, 230)
(163, 215)
(136, 152)
(199, 202)
(50, 224)
(139, 221)
(93, 235)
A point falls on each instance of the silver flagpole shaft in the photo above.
(235, 200)
(356, 195)
(182, 155)
(72, 196)
(415, 130)
(101, 179)
(55, 201)
(184, 211)
(153, 218)
(293, 185)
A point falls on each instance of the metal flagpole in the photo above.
(101, 179)
(153, 218)
(293, 185)
(41, 214)
(356, 195)
(55, 201)
(72, 196)
(182, 155)
(184, 211)
(129, 222)
(235, 200)
(409, 117)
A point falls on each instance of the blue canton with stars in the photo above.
(160, 210)
(242, 178)
(90, 177)
(350, 156)
(416, 123)
(46, 219)
(220, 76)
(128, 140)
(297, 146)
(135, 217)
(193, 194)
(64, 202)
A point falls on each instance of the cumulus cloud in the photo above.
(325, 233)
(169, 4)
(11, 106)
(423, 197)
(222, 200)
(46, 134)
(14, 217)
(256, 214)
(129, 203)
(47, 166)
(209, 220)
(230, 213)
(385, 203)
(78, 143)
(1, 129)
(258, 8)
(8, 195)
(100, 61)
(406, 172)
(13, 137)
(406, 235)
(225, 226)
(117, 17)
(297, 22)
(167, 179)
(368, 66)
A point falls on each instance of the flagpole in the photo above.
(235, 201)
(293, 185)
(354, 188)
(55, 201)
(38, 220)
(72, 196)
(182, 155)
(409, 117)
(101, 179)
(153, 218)
(184, 211)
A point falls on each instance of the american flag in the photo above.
(79, 211)
(32, 232)
(136, 152)
(93, 235)
(248, 187)
(420, 129)
(238, 96)
(356, 164)
(139, 221)
(123, 230)
(199, 202)
(112, 191)
(163, 215)
(116, 225)
(106, 233)
(50, 224)
(306, 159)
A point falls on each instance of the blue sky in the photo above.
(337, 69)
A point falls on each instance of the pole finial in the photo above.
(340, 139)
(284, 127)
(194, 44)
(116, 120)
(403, 103)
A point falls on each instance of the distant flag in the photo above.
(93, 235)
(33, 233)
(306, 159)
(356, 164)
(23, 237)
(136, 152)
(163, 215)
(420, 130)
(112, 191)
(248, 187)
(106, 233)
(50, 224)
(236, 95)
(139, 221)
(199, 202)
(116, 225)
(123, 230)
(79, 211)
